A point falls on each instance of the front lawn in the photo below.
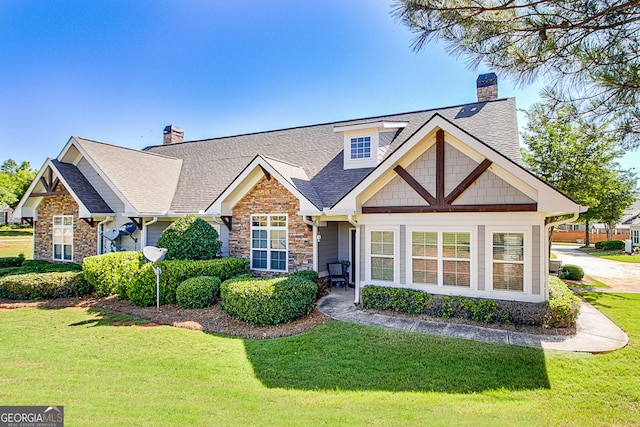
(109, 369)
(15, 242)
(613, 255)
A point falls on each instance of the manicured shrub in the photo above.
(268, 301)
(11, 261)
(572, 272)
(44, 285)
(563, 305)
(142, 290)
(198, 292)
(39, 266)
(610, 245)
(306, 274)
(190, 238)
(560, 311)
(397, 299)
(112, 273)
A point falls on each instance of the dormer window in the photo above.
(361, 147)
(365, 144)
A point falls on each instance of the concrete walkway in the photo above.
(621, 276)
(595, 333)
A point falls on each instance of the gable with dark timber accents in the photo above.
(442, 202)
(49, 186)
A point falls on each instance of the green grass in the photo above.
(335, 374)
(21, 232)
(15, 242)
(589, 282)
(612, 255)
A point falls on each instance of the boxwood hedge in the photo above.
(142, 291)
(560, 311)
(268, 301)
(112, 273)
(44, 285)
(198, 292)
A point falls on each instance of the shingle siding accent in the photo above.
(84, 236)
(490, 189)
(457, 167)
(270, 197)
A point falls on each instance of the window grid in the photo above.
(62, 238)
(508, 261)
(269, 242)
(361, 147)
(441, 258)
(635, 237)
(382, 255)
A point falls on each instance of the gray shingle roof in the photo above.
(209, 166)
(147, 180)
(82, 188)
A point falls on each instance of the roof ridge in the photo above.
(124, 148)
(327, 123)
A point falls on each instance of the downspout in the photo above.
(355, 267)
(314, 240)
(99, 231)
(144, 231)
(547, 249)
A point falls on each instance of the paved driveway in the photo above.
(621, 276)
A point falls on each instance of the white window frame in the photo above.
(527, 258)
(473, 256)
(62, 227)
(396, 254)
(356, 137)
(269, 228)
(363, 162)
(635, 237)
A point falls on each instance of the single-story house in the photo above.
(436, 200)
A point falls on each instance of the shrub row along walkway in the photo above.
(621, 276)
(595, 333)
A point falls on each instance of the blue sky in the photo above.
(119, 71)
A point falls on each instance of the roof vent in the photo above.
(487, 87)
(173, 135)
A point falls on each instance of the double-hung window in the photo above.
(508, 261)
(441, 258)
(269, 242)
(383, 253)
(635, 237)
(63, 238)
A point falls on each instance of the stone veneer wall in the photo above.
(270, 197)
(84, 236)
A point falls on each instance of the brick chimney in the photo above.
(487, 87)
(173, 135)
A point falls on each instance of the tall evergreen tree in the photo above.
(588, 49)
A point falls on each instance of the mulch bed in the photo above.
(212, 319)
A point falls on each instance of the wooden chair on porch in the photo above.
(336, 275)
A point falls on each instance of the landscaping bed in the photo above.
(211, 319)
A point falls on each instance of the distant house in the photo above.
(435, 200)
(631, 220)
(6, 214)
